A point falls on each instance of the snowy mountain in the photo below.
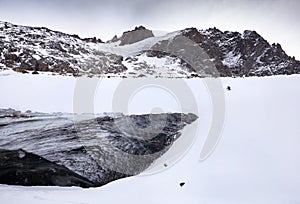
(139, 53)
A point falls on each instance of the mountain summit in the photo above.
(138, 34)
(134, 54)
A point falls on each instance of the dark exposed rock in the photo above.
(236, 55)
(18, 167)
(232, 54)
(92, 40)
(194, 35)
(23, 67)
(11, 57)
(75, 36)
(42, 49)
(33, 63)
(74, 52)
(90, 152)
(56, 46)
(42, 66)
(138, 34)
(114, 39)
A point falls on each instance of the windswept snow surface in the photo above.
(255, 161)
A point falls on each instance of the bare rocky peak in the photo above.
(243, 54)
(138, 34)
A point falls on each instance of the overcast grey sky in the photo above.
(275, 20)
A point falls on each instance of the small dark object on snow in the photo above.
(165, 165)
(182, 184)
(228, 88)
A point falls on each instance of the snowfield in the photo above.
(255, 161)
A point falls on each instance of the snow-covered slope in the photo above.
(256, 160)
(31, 49)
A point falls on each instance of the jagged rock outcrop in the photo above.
(243, 54)
(55, 150)
(138, 34)
(92, 40)
(114, 39)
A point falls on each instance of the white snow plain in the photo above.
(255, 161)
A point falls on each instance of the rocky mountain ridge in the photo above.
(134, 54)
